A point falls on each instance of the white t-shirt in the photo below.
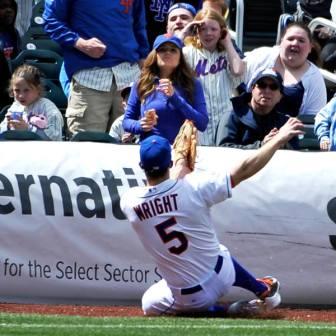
(173, 222)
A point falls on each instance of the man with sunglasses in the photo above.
(254, 118)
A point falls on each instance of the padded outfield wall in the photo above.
(64, 238)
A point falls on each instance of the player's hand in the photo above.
(292, 128)
(166, 86)
(92, 47)
(325, 145)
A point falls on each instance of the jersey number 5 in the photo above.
(166, 236)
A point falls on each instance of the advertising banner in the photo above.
(64, 238)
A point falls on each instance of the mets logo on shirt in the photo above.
(127, 4)
(161, 8)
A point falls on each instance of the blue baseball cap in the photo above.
(155, 153)
(266, 73)
(183, 5)
(161, 39)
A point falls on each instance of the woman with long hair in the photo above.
(166, 94)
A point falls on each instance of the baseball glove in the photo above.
(184, 145)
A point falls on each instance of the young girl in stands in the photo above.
(30, 111)
(325, 126)
(211, 54)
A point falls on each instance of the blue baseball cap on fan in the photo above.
(155, 153)
(161, 39)
(266, 73)
(183, 5)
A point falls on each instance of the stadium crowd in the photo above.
(174, 59)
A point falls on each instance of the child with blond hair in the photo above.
(211, 54)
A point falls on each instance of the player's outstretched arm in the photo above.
(251, 165)
(184, 150)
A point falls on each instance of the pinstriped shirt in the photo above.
(24, 14)
(213, 70)
(101, 79)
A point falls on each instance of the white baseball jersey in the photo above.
(172, 219)
(23, 16)
(212, 69)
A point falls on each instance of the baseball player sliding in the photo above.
(172, 219)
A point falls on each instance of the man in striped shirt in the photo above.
(103, 45)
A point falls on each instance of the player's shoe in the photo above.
(246, 308)
(271, 297)
(267, 300)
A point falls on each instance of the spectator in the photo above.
(157, 14)
(254, 119)
(211, 55)
(9, 36)
(179, 15)
(64, 81)
(30, 111)
(103, 46)
(168, 86)
(179, 233)
(304, 87)
(325, 126)
(308, 10)
(220, 7)
(24, 14)
(4, 81)
(117, 131)
(328, 52)
(324, 38)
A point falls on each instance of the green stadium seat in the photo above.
(94, 137)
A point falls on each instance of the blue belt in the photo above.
(197, 288)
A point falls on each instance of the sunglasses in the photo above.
(167, 49)
(263, 85)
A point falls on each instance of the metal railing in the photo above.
(237, 35)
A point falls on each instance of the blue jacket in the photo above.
(10, 40)
(246, 129)
(121, 28)
(325, 124)
(172, 112)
